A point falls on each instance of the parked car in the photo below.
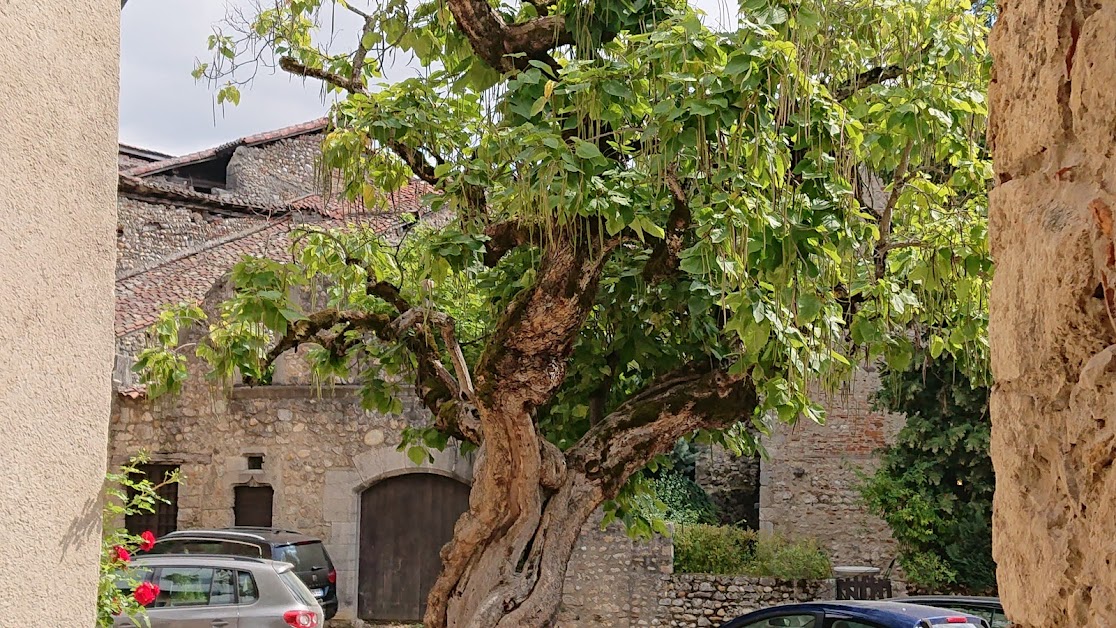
(855, 614)
(987, 607)
(200, 591)
(312, 563)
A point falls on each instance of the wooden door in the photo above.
(165, 517)
(404, 522)
(252, 506)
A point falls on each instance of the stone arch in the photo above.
(387, 462)
(341, 504)
(405, 520)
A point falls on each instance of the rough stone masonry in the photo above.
(1052, 132)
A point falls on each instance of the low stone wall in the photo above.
(692, 600)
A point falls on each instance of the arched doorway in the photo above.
(404, 522)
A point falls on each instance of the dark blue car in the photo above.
(856, 615)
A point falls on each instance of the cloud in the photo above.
(163, 108)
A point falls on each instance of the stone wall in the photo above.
(319, 450)
(693, 600)
(733, 484)
(808, 484)
(612, 581)
(149, 232)
(275, 173)
(1052, 132)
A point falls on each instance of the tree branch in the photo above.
(298, 68)
(495, 42)
(664, 258)
(502, 238)
(880, 254)
(416, 317)
(651, 422)
(873, 76)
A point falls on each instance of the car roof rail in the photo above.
(200, 531)
(264, 529)
(205, 555)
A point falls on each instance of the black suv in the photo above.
(309, 557)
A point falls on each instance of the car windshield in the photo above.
(304, 556)
(295, 585)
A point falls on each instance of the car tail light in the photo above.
(332, 577)
(301, 619)
(956, 620)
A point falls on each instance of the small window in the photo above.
(255, 463)
(224, 590)
(183, 586)
(165, 517)
(246, 588)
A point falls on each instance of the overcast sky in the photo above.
(161, 106)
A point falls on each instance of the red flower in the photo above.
(121, 554)
(146, 593)
(148, 541)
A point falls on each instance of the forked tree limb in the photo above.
(664, 257)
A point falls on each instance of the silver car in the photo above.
(204, 591)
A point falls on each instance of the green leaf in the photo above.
(937, 346)
(586, 150)
(417, 454)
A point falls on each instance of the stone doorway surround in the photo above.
(341, 505)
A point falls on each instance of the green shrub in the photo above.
(685, 500)
(713, 549)
(779, 557)
(730, 550)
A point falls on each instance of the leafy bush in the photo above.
(934, 487)
(730, 550)
(684, 499)
(127, 492)
(713, 549)
(779, 557)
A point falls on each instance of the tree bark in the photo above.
(511, 575)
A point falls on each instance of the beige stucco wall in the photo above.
(58, 203)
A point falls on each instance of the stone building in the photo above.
(290, 454)
(303, 457)
(807, 485)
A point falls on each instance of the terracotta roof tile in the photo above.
(186, 279)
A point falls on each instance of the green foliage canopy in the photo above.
(647, 211)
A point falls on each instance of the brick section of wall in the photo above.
(698, 600)
(275, 173)
(149, 232)
(612, 581)
(809, 482)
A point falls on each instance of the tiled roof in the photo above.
(142, 153)
(312, 126)
(407, 200)
(140, 297)
(158, 191)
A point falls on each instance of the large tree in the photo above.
(661, 231)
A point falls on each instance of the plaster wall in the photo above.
(58, 201)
